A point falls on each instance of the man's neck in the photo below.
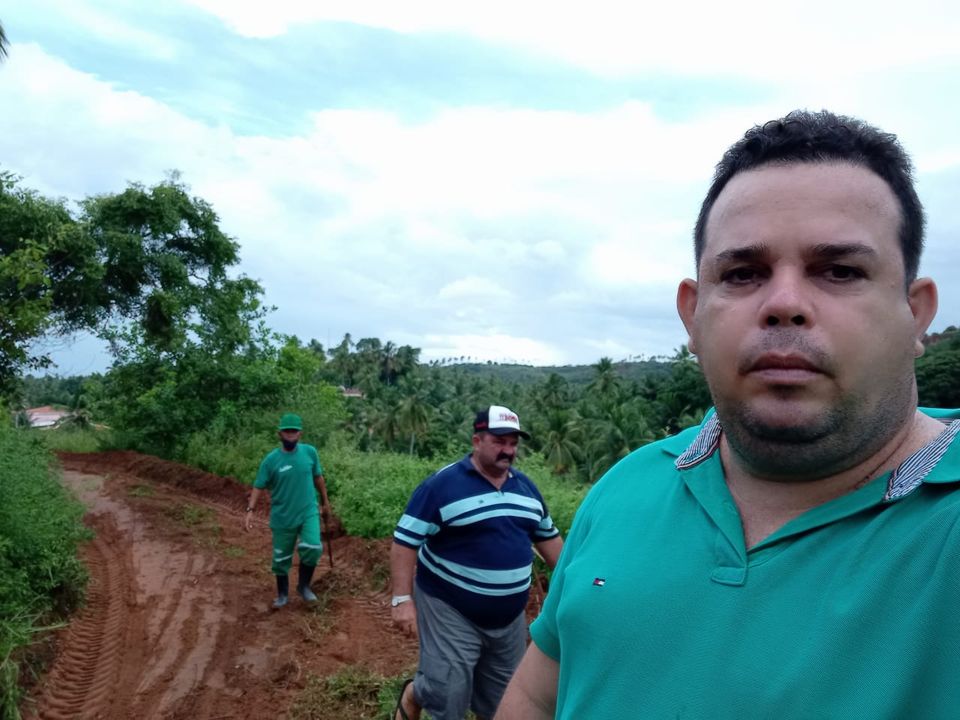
(766, 505)
(497, 480)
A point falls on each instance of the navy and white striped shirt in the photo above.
(474, 541)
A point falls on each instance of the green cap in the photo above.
(290, 422)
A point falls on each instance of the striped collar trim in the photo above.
(911, 472)
(703, 446)
(906, 478)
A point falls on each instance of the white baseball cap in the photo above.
(499, 420)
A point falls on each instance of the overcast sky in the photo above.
(500, 180)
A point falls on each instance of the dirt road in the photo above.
(178, 621)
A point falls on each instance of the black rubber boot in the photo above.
(303, 583)
(283, 591)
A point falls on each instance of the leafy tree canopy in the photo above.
(146, 269)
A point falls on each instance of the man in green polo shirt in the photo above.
(293, 476)
(798, 554)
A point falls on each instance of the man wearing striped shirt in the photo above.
(466, 540)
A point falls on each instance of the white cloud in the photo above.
(769, 41)
(574, 225)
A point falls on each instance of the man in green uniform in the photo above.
(797, 556)
(293, 476)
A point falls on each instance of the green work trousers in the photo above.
(309, 548)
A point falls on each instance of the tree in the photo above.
(190, 342)
(4, 43)
(37, 247)
(614, 436)
(559, 440)
(605, 384)
(165, 263)
(147, 266)
(554, 393)
(413, 417)
(681, 399)
(938, 373)
(342, 362)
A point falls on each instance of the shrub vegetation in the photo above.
(41, 578)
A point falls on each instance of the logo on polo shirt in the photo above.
(285, 468)
(599, 582)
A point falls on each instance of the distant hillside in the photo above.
(574, 374)
(949, 334)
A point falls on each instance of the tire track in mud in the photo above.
(85, 673)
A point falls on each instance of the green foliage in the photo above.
(236, 441)
(146, 269)
(70, 438)
(352, 692)
(30, 227)
(53, 390)
(938, 372)
(40, 575)
(562, 495)
(370, 490)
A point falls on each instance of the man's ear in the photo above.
(922, 298)
(686, 308)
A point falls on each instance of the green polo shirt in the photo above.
(289, 478)
(658, 610)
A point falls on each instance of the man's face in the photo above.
(289, 438)
(800, 318)
(495, 453)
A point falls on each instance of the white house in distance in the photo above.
(45, 417)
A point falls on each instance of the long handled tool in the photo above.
(326, 537)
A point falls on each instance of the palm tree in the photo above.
(342, 361)
(386, 424)
(407, 360)
(413, 415)
(388, 363)
(615, 436)
(554, 392)
(606, 383)
(560, 448)
(4, 43)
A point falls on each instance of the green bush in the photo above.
(234, 443)
(79, 440)
(41, 578)
(562, 495)
(370, 490)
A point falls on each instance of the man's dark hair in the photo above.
(804, 136)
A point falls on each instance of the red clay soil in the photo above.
(178, 623)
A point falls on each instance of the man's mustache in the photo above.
(506, 456)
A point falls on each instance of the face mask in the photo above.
(288, 444)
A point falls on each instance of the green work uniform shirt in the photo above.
(289, 478)
(658, 610)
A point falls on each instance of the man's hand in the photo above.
(404, 616)
(325, 513)
(247, 519)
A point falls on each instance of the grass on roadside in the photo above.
(353, 693)
(78, 440)
(41, 578)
